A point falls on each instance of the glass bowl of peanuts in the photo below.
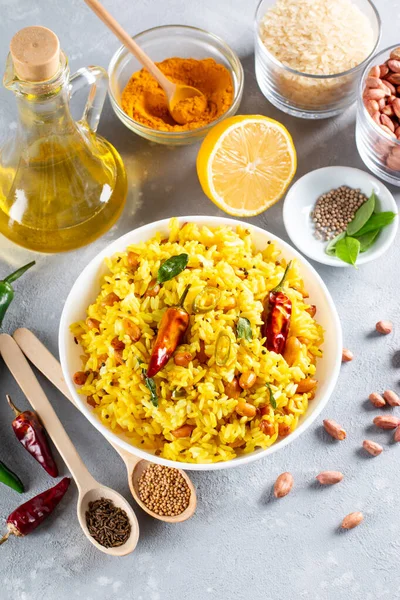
(378, 115)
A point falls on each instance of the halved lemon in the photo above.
(246, 163)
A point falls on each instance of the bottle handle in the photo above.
(97, 78)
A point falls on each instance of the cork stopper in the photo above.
(35, 53)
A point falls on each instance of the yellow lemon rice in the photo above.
(220, 257)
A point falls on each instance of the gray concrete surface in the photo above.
(240, 544)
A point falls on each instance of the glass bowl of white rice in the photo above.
(310, 54)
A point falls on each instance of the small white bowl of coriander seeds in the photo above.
(340, 216)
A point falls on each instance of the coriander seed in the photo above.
(163, 490)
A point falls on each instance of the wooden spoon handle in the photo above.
(131, 45)
(43, 360)
(23, 374)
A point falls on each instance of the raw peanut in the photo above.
(352, 520)
(392, 162)
(387, 422)
(283, 485)
(334, 429)
(391, 398)
(391, 99)
(394, 65)
(374, 94)
(306, 385)
(397, 132)
(388, 111)
(347, 355)
(388, 131)
(182, 359)
(267, 428)
(384, 327)
(329, 477)
(385, 120)
(244, 409)
(93, 323)
(372, 106)
(377, 118)
(283, 429)
(383, 71)
(395, 54)
(247, 380)
(372, 447)
(382, 103)
(79, 378)
(393, 78)
(183, 431)
(396, 437)
(375, 71)
(386, 88)
(377, 400)
(396, 107)
(373, 82)
(391, 87)
(292, 350)
(312, 309)
(232, 388)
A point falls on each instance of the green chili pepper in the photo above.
(6, 291)
(11, 479)
(206, 300)
(222, 349)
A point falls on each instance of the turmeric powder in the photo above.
(145, 102)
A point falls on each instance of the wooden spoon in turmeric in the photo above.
(185, 103)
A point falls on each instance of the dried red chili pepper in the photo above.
(24, 519)
(173, 326)
(30, 432)
(277, 313)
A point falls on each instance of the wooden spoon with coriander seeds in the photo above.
(89, 489)
(45, 362)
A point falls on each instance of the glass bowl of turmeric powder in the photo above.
(186, 55)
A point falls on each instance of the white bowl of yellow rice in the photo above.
(244, 263)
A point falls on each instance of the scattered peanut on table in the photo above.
(334, 429)
(352, 520)
(384, 327)
(377, 400)
(283, 485)
(347, 355)
(329, 477)
(391, 398)
(396, 437)
(372, 447)
(386, 422)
